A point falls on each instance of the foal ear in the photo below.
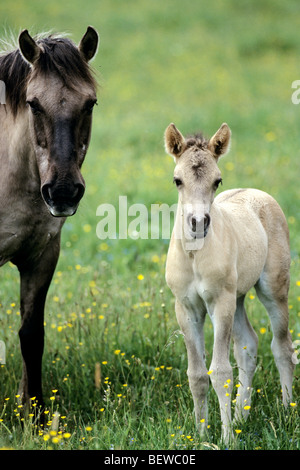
(220, 142)
(89, 43)
(174, 141)
(28, 47)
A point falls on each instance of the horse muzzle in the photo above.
(62, 200)
(198, 226)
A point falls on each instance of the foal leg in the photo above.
(275, 300)
(191, 321)
(35, 281)
(222, 314)
(272, 289)
(245, 352)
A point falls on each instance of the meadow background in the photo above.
(109, 312)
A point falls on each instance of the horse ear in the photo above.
(89, 43)
(220, 142)
(28, 47)
(174, 141)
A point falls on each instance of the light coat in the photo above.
(220, 248)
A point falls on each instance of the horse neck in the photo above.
(16, 151)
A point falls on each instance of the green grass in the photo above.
(158, 62)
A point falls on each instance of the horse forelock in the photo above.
(59, 56)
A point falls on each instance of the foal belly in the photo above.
(248, 277)
(251, 259)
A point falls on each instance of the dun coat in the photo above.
(45, 127)
(220, 248)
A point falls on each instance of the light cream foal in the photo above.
(219, 249)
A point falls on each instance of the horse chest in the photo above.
(24, 232)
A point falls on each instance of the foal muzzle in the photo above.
(198, 225)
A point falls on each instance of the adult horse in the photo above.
(45, 128)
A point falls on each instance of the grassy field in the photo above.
(109, 312)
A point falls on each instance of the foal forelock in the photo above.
(60, 56)
(198, 158)
(196, 140)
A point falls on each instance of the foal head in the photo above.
(60, 95)
(196, 174)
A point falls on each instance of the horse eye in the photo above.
(217, 183)
(89, 105)
(35, 106)
(177, 181)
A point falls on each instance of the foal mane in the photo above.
(59, 56)
(196, 140)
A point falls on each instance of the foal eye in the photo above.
(177, 181)
(217, 183)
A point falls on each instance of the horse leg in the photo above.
(222, 314)
(274, 296)
(35, 281)
(191, 321)
(245, 352)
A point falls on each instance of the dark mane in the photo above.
(14, 71)
(59, 56)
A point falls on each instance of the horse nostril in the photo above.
(199, 224)
(206, 221)
(78, 192)
(46, 192)
(60, 195)
(194, 223)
